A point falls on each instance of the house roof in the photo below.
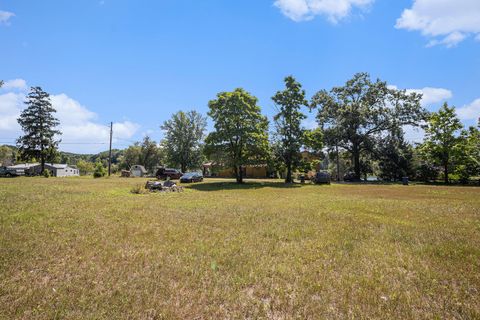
(23, 166)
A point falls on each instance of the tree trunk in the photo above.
(288, 178)
(446, 173)
(42, 159)
(239, 173)
(356, 163)
(183, 167)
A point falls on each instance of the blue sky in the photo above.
(137, 62)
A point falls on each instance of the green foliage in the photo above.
(442, 145)
(47, 173)
(100, 170)
(145, 153)
(8, 155)
(131, 156)
(290, 135)
(394, 155)
(313, 140)
(150, 154)
(85, 167)
(426, 172)
(240, 135)
(184, 134)
(468, 154)
(355, 115)
(38, 124)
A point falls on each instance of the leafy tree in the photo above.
(100, 170)
(354, 115)
(7, 155)
(288, 123)
(184, 134)
(38, 123)
(85, 167)
(468, 154)
(241, 131)
(440, 146)
(131, 156)
(150, 154)
(313, 140)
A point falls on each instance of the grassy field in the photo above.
(89, 249)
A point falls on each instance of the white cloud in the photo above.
(334, 10)
(470, 111)
(445, 22)
(9, 112)
(14, 84)
(5, 17)
(77, 123)
(430, 95)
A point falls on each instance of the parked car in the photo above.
(349, 177)
(6, 172)
(191, 177)
(164, 173)
(321, 177)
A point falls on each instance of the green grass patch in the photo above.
(82, 248)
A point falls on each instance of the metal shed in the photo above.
(138, 171)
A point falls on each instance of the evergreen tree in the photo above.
(394, 155)
(288, 122)
(38, 124)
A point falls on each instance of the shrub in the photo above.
(139, 189)
(100, 170)
(47, 174)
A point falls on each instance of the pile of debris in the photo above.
(167, 186)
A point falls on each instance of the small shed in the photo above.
(138, 171)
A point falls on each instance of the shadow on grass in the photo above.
(227, 185)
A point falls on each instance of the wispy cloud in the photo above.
(333, 10)
(5, 17)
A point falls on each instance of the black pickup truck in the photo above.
(6, 172)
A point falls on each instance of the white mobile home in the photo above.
(57, 170)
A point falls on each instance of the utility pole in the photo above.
(110, 151)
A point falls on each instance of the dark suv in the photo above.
(164, 173)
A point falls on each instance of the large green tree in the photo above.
(38, 123)
(354, 115)
(241, 131)
(288, 123)
(184, 135)
(441, 143)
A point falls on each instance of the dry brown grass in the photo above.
(89, 249)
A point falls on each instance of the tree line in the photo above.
(360, 132)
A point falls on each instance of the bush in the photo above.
(139, 189)
(100, 170)
(47, 173)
